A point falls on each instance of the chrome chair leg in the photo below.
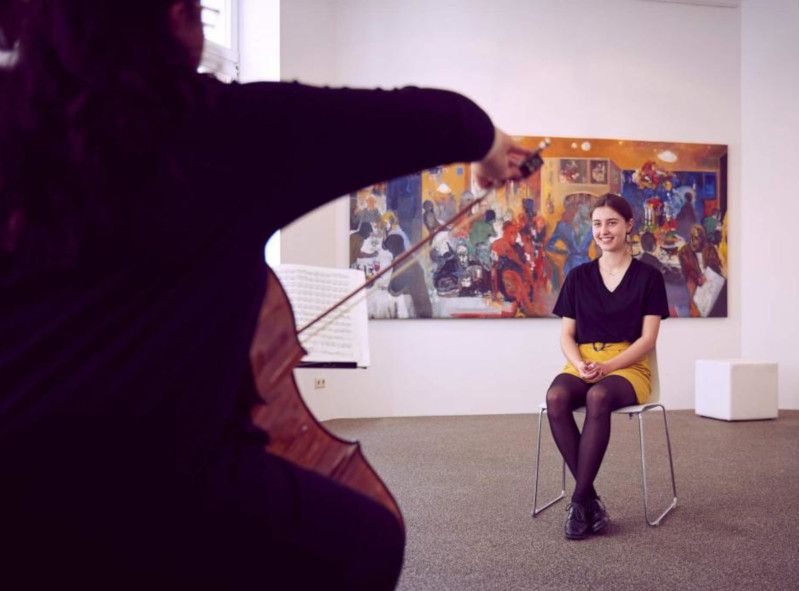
(536, 508)
(643, 468)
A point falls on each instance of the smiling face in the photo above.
(610, 229)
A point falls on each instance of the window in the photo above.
(220, 25)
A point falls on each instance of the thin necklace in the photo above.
(617, 271)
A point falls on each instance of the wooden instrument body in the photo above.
(294, 433)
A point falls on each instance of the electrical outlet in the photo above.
(319, 383)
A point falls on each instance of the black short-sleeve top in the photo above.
(605, 316)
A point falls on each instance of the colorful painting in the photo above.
(509, 256)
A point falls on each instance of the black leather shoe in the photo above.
(598, 515)
(577, 524)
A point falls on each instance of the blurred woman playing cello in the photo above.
(135, 199)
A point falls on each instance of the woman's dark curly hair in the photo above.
(94, 90)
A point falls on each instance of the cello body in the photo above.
(294, 433)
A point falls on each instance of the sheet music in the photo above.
(342, 336)
(706, 294)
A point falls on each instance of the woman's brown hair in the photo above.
(617, 203)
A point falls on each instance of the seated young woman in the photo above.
(611, 310)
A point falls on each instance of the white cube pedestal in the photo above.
(736, 389)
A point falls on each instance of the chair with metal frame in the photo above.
(636, 409)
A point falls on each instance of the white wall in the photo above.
(769, 188)
(308, 53)
(610, 69)
(259, 39)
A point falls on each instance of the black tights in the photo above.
(583, 453)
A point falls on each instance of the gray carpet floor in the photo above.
(465, 488)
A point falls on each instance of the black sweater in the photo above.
(137, 356)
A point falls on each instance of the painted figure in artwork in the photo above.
(695, 257)
(686, 218)
(440, 247)
(513, 272)
(461, 276)
(392, 228)
(409, 280)
(357, 239)
(572, 235)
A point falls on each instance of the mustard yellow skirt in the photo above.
(638, 374)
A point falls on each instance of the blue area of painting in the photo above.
(701, 185)
(709, 185)
(404, 197)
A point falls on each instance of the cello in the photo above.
(294, 433)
